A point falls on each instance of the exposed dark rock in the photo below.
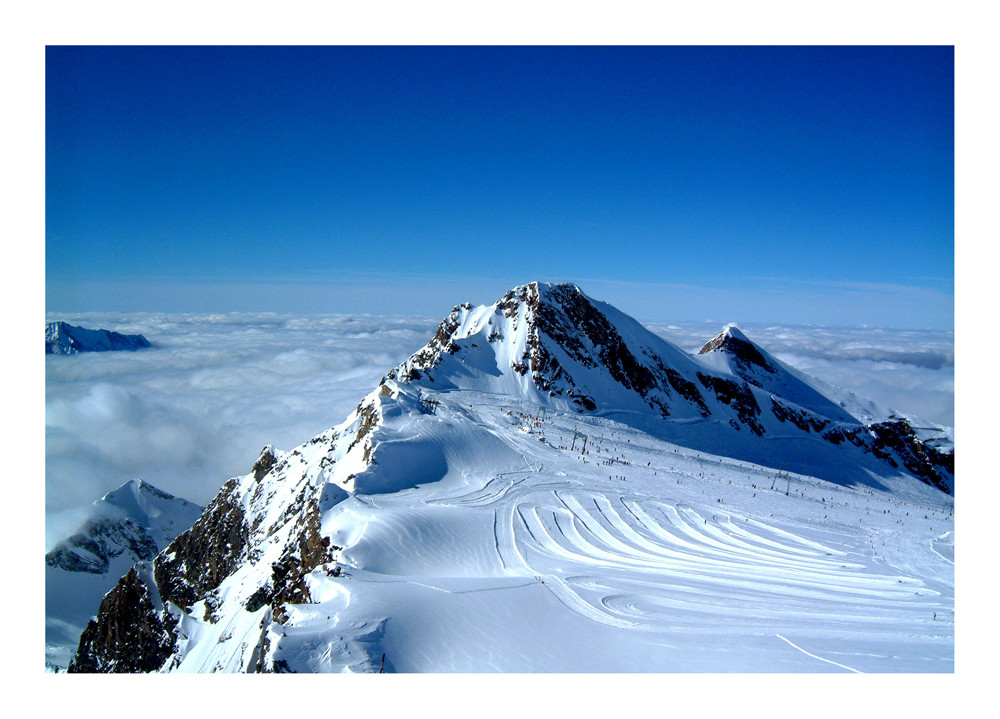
(368, 419)
(63, 557)
(265, 462)
(569, 313)
(895, 442)
(431, 355)
(854, 435)
(738, 348)
(738, 396)
(92, 548)
(921, 460)
(805, 421)
(686, 389)
(584, 400)
(200, 558)
(307, 550)
(259, 598)
(128, 635)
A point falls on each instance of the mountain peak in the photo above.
(136, 518)
(64, 338)
(136, 488)
(731, 330)
(551, 344)
(732, 341)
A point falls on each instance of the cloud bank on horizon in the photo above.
(196, 409)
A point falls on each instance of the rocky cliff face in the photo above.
(128, 635)
(263, 526)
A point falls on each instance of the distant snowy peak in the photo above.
(135, 522)
(736, 344)
(67, 339)
(732, 352)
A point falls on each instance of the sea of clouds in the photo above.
(198, 407)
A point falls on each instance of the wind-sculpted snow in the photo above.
(565, 561)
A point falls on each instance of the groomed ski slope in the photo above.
(484, 540)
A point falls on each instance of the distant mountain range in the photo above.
(548, 486)
(66, 339)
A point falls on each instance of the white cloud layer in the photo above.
(197, 408)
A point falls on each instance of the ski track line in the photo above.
(602, 536)
(809, 654)
(934, 549)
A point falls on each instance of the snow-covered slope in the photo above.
(547, 486)
(66, 339)
(130, 524)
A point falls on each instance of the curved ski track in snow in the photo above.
(657, 563)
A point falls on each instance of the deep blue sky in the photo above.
(755, 184)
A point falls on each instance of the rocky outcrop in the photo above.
(582, 331)
(802, 419)
(742, 350)
(441, 342)
(200, 558)
(896, 441)
(128, 635)
(265, 462)
(92, 548)
(739, 396)
(307, 550)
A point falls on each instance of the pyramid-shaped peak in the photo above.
(135, 497)
(732, 341)
(731, 330)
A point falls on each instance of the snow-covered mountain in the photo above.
(65, 339)
(128, 525)
(548, 486)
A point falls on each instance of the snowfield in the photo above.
(626, 557)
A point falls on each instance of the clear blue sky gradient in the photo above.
(763, 184)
